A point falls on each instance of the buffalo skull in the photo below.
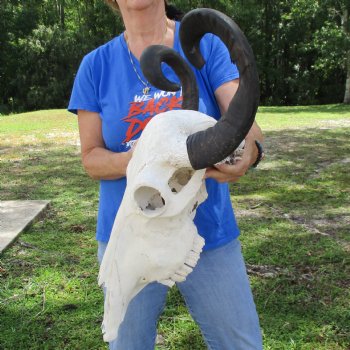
(154, 237)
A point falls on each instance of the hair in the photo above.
(171, 11)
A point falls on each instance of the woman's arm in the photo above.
(99, 163)
(232, 173)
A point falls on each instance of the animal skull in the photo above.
(154, 237)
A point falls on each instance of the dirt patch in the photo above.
(311, 226)
(248, 213)
(332, 124)
(265, 271)
(299, 273)
(324, 165)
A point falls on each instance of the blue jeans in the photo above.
(218, 297)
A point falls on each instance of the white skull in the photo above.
(154, 237)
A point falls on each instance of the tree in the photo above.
(302, 47)
(346, 31)
(332, 42)
(42, 44)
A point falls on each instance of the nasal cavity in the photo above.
(149, 199)
(180, 179)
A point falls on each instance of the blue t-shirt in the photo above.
(106, 83)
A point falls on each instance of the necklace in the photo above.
(147, 87)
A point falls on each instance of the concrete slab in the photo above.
(16, 216)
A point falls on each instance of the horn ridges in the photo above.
(151, 64)
(208, 147)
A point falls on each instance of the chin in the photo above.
(139, 5)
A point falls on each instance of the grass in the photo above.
(293, 212)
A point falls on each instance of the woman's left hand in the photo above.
(232, 173)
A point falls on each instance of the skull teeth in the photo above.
(192, 258)
(178, 278)
(169, 283)
(183, 272)
(198, 244)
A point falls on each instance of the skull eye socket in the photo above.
(180, 179)
(149, 199)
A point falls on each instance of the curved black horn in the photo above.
(210, 146)
(151, 61)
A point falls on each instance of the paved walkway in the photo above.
(15, 217)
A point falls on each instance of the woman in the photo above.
(114, 102)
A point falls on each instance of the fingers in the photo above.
(238, 169)
(227, 173)
(232, 173)
(250, 151)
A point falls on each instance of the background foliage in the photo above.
(302, 47)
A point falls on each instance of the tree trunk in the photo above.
(345, 23)
(62, 13)
(347, 85)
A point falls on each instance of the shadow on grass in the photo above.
(305, 302)
(306, 169)
(339, 109)
(58, 326)
(307, 176)
(59, 254)
(46, 171)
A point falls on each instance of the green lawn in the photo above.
(294, 213)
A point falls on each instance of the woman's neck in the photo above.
(147, 27)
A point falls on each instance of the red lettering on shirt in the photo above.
(175, 102)
(135, 109)
(135, 127)
(137, 124)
